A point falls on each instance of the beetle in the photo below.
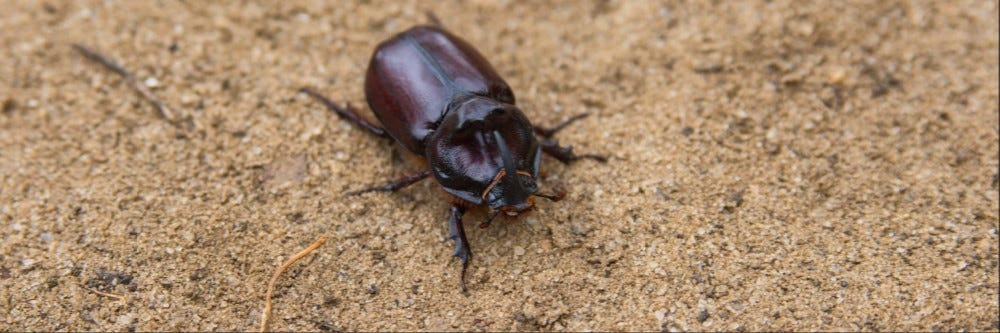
(439, 98)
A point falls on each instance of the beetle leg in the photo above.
(396, 185)
(347, 113)
(549, 132)
(565, 154)
(434, 19)
(457, 233)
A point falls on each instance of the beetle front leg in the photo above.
(395, 185)
(550, 131)
(347, 113)
(565, 154)
(457, 233)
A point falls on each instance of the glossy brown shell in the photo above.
(415, 75)
(439, 98)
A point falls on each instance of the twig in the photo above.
(266, 316)
(162, 110)
(109, 295)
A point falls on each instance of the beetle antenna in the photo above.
(486, 224)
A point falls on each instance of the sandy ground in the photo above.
(773, 165)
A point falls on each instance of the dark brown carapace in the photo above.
(440, 99)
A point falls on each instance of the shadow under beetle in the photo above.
(440, 99)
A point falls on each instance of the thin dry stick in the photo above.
(266, 316)
(162, 110)
(109, 295)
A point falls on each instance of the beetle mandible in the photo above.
(439, 98)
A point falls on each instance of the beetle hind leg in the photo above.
(457, 233)
(347, 113)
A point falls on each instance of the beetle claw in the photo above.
(465, 290)
(599, 158)
(463, 254)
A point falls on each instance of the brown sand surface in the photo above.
(773, 165)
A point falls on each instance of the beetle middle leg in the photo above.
(565, 154)
(347, 113)
(552, 147)
(457, 233)
(396, 185)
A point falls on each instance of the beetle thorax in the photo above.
(485, 152)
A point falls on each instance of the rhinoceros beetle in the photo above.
(439, 98)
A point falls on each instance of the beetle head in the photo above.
(512, 192)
